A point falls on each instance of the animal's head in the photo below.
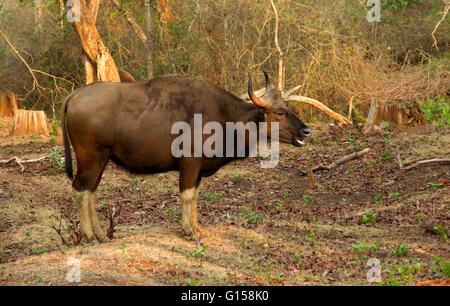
(292, 129)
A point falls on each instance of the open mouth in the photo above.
(298, 142)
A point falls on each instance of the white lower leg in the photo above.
(94, 219)
(82, 199)
(189, 211)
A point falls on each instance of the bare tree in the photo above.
(280, 53)
(98, 62)
(149, 42)
(38, 12)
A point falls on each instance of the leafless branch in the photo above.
(339, 162)
(22, 161)
(444, 14)
(427, 161)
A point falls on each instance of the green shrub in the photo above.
(437, 111)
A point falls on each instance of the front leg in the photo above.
(189, 188)
(189, 218)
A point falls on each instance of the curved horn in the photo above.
(267, 81)
(257, 101)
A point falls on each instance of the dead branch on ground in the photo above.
(23, 161)
(73, 229)
(58, 231)
(339, 162)
(111, 214)
(426, 161)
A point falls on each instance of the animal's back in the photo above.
(134, 120)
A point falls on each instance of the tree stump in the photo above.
(8, 104)
(399, 114)
(29, 123)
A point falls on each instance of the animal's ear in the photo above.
(257, 101)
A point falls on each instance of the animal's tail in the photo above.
(67, 154)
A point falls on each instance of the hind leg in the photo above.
(90, 165)
(82, 201)
(98, 232)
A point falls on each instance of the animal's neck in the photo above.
(248, 113)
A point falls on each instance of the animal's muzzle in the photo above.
(306, 132)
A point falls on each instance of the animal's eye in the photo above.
(280, 113)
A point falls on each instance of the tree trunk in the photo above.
(38, 14)
(280, 53)
(148, 42)
(61, 13)
(8, 104)
(29, 123)
(398, 114)
(98, 63)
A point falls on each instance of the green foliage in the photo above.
(40, 277)
(297, 257)
(52, 140)
(362, 250)
(310, 237)
(402, 275)
(192, 283)
(440, 268)
(397, 4)
(123, 255)
(197, 253)
(442, 231)
(38, 251)
(437, 111)
(370, 218)
(402, 250)
(55, 128)
(56, 159)
(278, 205)
(394, 195)
(252, 217)
(238, 177)
(387, 155)
(435, 186)
(307, 198)
(63, 249)
(213, 197)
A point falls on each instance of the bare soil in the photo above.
(259, 226)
